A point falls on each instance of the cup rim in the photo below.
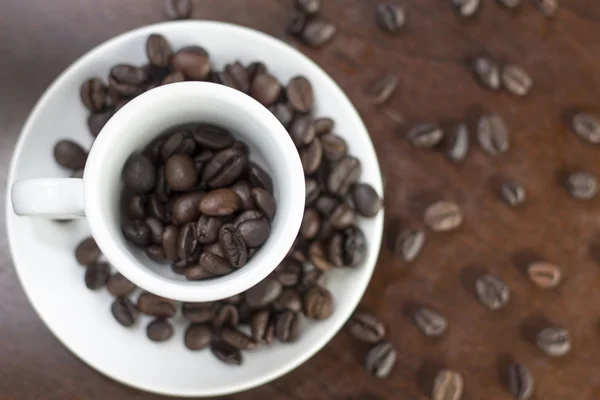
(219, 287)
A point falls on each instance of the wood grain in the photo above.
(39, 39)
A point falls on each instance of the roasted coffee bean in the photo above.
(179, 142)
(312, 191)
(334, 147)
(554, 341)
(311, 156)
(233, 245)
(318, 258)
(512, 193)
(69, 154)
(180, 172)
(226, 353)
(224, 168)
(265, 88)
(296, 23)
(178, 9)
(381, 359)
(235, 76)
(170, 239)
(348, 248)
(323, 126)
(156, 253)
(137, 232)
(288, 272)
(343, 216)
(213, 137)
(96, 121)
(366, 327)
(226, 315)
(197, 272)
(215, 248)
(520, 381)
(124, 311)
(255, 68)
(448, 385)
(317, 32)
(516, 80)
(207, 229)
(161, 189)
(466, 8)
(381, 89)
(220, 202)
(158, 50)
(548, 7)
(443, 216)
(156, 306)
(127, 80)
(311, 222)
(265, 202)
(87, 251)
(263, 293)
(283, 112)
(187, 244)
(510, 3)
(215, 265)
(263, 327)
(193, 62)
(185, 208)
(587, 127)
(197, 336)
(198, 312)
(139, 174)
(299, 94)
(318, 303)
(492, 134)
(159, 330)
(582, 185)
(92, 94)
(430, 322)
(326, 204)
(96, 275)
(259, 177)
(302, 130)
(343, 175)
(408, 243)
(389, 17)
(247, 216)
(487, 72)
(288, 300)
(287, 326)
(173, 77)
(119, 286)
(544, 274)
(236, 339)
(367, 201)
(425, 135)
(492, 291)
(255, 232)
(135, 206)
(312, 278)
(308, 6)
(244, 191)
(458, 143)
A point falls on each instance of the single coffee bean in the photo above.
(255, 232)
(197, 336)
(185, 208)
(96, 275)
(188, 246)
(516, 80)
(207, 229)
(198, 312)
(235, 76)
(492, 134)
(96, 121)
(348, 248)
(308, 6)
(288, 272)
(243, 189)
(156, 306)
(389, 17)
(554, 341)
(520, 381)
(366, 327)
(466, 8)
(119, 286)
(263, 293)
(487, 72)
(582, 185)
(296, 23)
(226, 353)
(287, 326)
(69, 154)
(547, 7)
(87, 251)
(224, 168)
(161, 189)
(255, 68)
(492, 291)
(311, 156)
(259, 177)
(343, 175)
(226, 315)
(342, 217)
(127, 80)
(265, 202)
(381, 359)
(318, 258)
(283, 112)
(124, 311)
(220, 202)
(263, 327)
(323, 126)
(587, 127)
(288, 300)
(193, 62)
(425, 135)
(180, 172)
(318, 303)
(302, 130)
(265, 89)
(512, 193)
(458, 143)
(92, 94)
(179, 142)
(158, 50)
(430, 322)
(213, 137)
(408, 243)
(334, 147)
(178, 9)
(317, 32)
(311, 222)
(139, 174)
(312, 191)
(170, 239)
(247, 216)
(510, 3)
(544, 274)
(381, 89)
(326, 204)
(448, 385)
(137, 232)
(367, 201)
(159, 330)
(233, 245)
(214, 264)
(155, 252)
(237, 339)
(135, 206)
(299, 94)
(443, 216)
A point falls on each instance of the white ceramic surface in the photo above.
(129, 131)
(42, 250)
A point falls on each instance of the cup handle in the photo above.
(54, 198)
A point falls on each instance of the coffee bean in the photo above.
(156, 253)
(458, 143)
(96, 275)
(343, 175)
(137, 232)
(587, 127)
(348, 248)
(124, 311)
(215, 248)
(255, 232)
(381, 359)
(342, 217)
(334, 147)
(389, 17)
(265, 88)
(159, 330)
(311, 156)
(317, 32)
(323, 126)
(178, 9)
(544, 274)
(554, 341)
(492, 291)
(547, 7)
(510, 3)
(197, 336)
(170, 239)
(312, 191)
(492, 134)
(180, 172)
(296, 23)
(487, 72)
(119, 286)
(69, 154)
(299, 94)
(135, 206)
(318, 258)
(96, 121)
(156, 306)
(520, 381)
(139, 174)
(367, 201)
(318, 303)
(188, 246)
(311, 223)
(408, 243)
(366, 327)
(213, 137)
(158, 50)
(226, 353)
(443, 216)
(207, 229)
(263, 293)
(326, 204)
(288, 300)
(214, 264)
(448, 385)
(283, 112)
(425, 135)
(161, 189)
(308, 6)
(288, 272)
(430, 322)
(302, 130)
(260, 178)
(127, 80)
(263, 327)
(466, 8)
(236, 339)
(185, 208)
(513, 193)
(198, 312)
(224, 168)
(92, 94)
(233, 245)
(179, 142)
(381, 89)
(87, 251)
(265, 202)
(220, 202)
(287, 326)
(226, 315)
(582, 185)
(235, 76)
(516, 80)
(193, 62)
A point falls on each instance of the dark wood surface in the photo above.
(38, 39)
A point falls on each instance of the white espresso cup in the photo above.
(98, 195)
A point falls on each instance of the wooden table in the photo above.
(38, 39)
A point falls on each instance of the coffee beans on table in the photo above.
(366, 327)
(425, 135)
(430, 322)
(178, 9)
(458, 143)
(520, 381)
(516, 80)
(587, 127)
(466, 8)
(492, 291)
(544, 274)
(492, 134)
(487, 72)
(381, 359)
(317, 32)
(582, 185)
(443, 216)
(554, 341)
(512, 193)
(308, 6)
(448, 385)
(408, 243)
(389, 17)
(382, 88)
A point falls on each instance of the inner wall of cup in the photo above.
(147, 121)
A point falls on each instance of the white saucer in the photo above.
(42, 250)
